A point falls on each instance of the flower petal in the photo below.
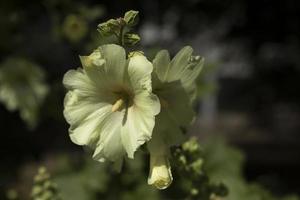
(172, 71)
(147, 102)
(115, 64)
(168, 130)
(178, 63)
(94, 70)
(78, 107)
(87, 131)
(105, 66)
(139, 71)
(77, 79)
(139, 122)
(110, 145)
(190, 74)
(178, 104)
(161, 63)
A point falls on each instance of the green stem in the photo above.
(121, 40)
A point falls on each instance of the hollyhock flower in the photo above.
(110, 105)
(174, 84)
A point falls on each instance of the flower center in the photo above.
(118, 105)
(124, 99)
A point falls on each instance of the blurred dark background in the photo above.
(252, 51)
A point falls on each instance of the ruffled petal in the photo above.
(139, 72)
(93, 67)
(139, 122)
(78, 107)
(88, 130)
(115, 61)
(110, 145)
(77, 79)
(147, 102)
(105, 66)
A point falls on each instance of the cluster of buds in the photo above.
(120, 28)
(189, 163)
(43, 188)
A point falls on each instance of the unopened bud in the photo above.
(131, 39)
(131, 17)
(109, 28)
(160, 174)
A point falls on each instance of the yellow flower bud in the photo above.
(160, 174)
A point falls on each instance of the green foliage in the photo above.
(200, 171)
(12, 195)
(188, 161)
(89, 180)
(23, 88)
(92, 181)
(224, 163)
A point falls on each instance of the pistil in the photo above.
(118, 105)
